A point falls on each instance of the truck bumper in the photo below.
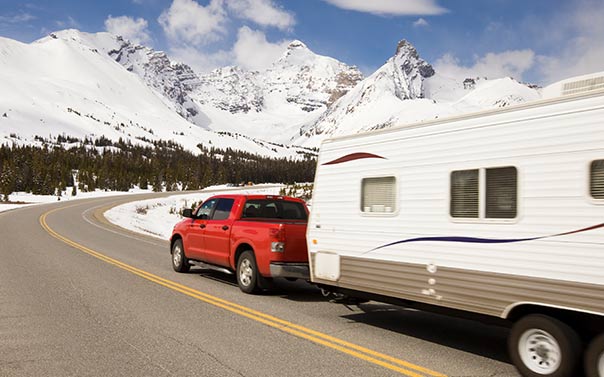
(290, 270)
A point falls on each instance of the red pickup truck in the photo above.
(258, 237)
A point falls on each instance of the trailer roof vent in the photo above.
(575, 85)
(581, 86)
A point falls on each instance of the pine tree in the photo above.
(7, 181)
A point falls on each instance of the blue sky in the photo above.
(536, 40)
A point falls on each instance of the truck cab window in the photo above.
(274, 209)
(206, 208)
(223, 209)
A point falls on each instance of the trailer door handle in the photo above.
(202, 226)
(225, 227)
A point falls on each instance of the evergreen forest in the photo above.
(119, 166)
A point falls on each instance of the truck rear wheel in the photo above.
(180, 263)
(544, 346)
(594, 357)
(247, 272)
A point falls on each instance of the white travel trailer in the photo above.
(498, 214)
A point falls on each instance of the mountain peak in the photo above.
(297, 53)
(296, 44)
(408, 60)
(405, 46)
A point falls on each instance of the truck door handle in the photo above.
(225, 227)
(202, 226)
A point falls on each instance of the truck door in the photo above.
(217, 234)
(194, 238)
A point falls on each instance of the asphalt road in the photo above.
(81, 297)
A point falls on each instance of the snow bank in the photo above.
(24, 199)
(157, 217)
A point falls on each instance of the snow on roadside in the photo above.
(23, 199)
(157, 217)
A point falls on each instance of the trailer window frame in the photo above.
(486, 201)
(393, 196)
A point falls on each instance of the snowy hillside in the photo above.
(270, 105)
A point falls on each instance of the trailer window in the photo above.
(378, 195)
(596, 181)
(496, 198)
(501, 195)
(464, 193)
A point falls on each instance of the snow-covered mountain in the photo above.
(60, 85)
(299, 77)
(173, 80)
(277, 102)
(406, 89)
(264, 104)
(309, 80)
(231, 89)
(88, 85)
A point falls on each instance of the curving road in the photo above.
(81, 297)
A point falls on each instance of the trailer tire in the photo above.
(542, 346)
(247, 272)
(594, 357)
(180, 263)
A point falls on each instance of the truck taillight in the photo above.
(278, 234)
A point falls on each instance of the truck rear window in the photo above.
(274, 209)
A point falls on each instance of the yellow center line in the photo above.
(386, 361)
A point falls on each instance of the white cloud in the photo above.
(69, 23)
(199, 61)
(581, 54)
(262, 12)
(582, 57)
(134, 30)
(17, 18)
(493, 65)
(420, 22)
(391, 7)
(253, 51)
(188, 23)
(193, 29)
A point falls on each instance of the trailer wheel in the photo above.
(594, 357)
(180, 263)
(247, 272)
(544, 346)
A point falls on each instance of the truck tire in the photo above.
(180, 263)
(594, 357)
(247, 272)
(542, 346)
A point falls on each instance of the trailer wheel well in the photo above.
(586, 324)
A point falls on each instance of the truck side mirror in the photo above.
(187, 212)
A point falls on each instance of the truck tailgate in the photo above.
(295, 245)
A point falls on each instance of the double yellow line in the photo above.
(389, 362)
